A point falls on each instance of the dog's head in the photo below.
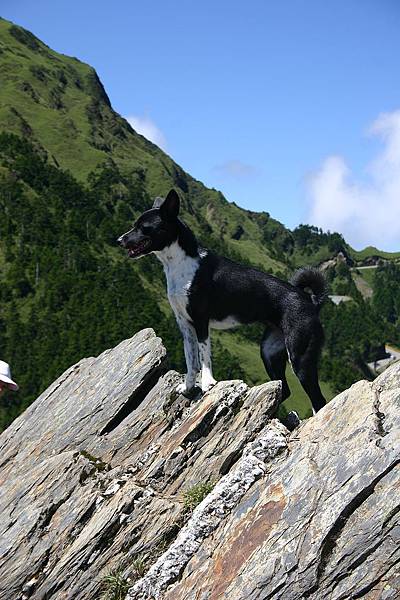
(155, 229)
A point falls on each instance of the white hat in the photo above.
(5, 375)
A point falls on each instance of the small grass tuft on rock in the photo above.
(139, 567)
(193, 496)
(114, 586)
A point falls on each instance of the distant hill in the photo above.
(73, 176)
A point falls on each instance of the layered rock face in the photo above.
(96, 474)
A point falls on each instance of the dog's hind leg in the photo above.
(274, 356)
(307, 374)
(304, 347)
(191, 350)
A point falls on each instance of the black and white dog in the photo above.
(206, 290)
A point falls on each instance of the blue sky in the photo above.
(289, 107)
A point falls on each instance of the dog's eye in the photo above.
(146, 230)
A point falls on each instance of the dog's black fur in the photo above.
(209, 290)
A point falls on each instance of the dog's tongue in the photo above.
(137, 249)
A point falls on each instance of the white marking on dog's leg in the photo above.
(207, 379)
(290, 362)
(191, 355)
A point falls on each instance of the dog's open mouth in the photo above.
(139, 248)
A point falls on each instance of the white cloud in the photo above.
(365, 212)
(236, 169)
(146, 127)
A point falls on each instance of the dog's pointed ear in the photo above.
(169, 209)
(158, 202)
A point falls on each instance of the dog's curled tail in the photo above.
(311, 280)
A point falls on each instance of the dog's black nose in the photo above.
(120, 240)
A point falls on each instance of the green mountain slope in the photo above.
(59, 103)
(73, 175)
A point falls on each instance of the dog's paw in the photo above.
(182, 388)
(292, 420)
(207, 384)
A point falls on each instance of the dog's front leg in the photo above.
(191, 349)
(207, 379)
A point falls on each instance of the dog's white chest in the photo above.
(180, 270)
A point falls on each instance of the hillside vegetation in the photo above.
(73, 176)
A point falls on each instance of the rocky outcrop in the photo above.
(103, 472)
(323, 522)
(341, 257)
(92, 474)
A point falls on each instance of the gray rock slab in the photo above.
(93, 473)
(322, 523)
(80, 407)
